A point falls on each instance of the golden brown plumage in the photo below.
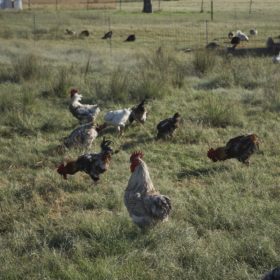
(145, 205)
(240, 147)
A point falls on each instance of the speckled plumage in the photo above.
(144, 204)
(85, 113)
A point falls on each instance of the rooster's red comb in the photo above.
(136, 154)
(73, 91)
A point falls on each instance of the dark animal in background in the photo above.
(108, 35)
(144, 204)
(240, 147)
(92, 164)
(83, 136)
(130, 38)
(83, 112)
(70, 32)
(235, 41)
(273, 275)
(253, 32)
(230, 35)
(167, 127)
(84, 33)
(138, 113)
(212, 46)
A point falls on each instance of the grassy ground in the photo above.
(225, 218)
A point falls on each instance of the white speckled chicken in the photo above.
(83, 112)
(145, 205)
(83, 136)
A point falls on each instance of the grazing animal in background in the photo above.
(230, 35)
(144, 204)
(83, 136)
(240, 147)
(212, 46)
(272, 46)
(108, 35)
(273, 275)
(253, 32)
(92, 164)
(235, 41)
(167, 127)
(70, 32)
(276, 58)
(119, 118)
(84, 33)
(82, 112)
(242, 36)
(130, 38)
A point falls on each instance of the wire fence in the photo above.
(180, 24)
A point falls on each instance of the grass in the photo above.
(225, 218)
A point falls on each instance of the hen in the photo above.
(145, 205)
(83, 112)
(240, 147)
(92, 164)
(119, 118)
(83, 136)
(167, 127)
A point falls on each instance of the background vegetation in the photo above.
(225, 218)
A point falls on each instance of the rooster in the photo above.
(119, 118)
(240, 147)
(83, 112)
(145, 205)
(167, 127)
(92, 164)
(84, 135)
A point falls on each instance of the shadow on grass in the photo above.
(188, 173)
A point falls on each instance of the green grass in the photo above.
(225, 218)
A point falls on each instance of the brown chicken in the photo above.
(92, 164)
(240, 147)
(145, 205)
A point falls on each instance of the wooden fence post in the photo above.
(212, 10)
(250, 6)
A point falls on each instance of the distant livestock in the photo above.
(108, 35)
(84, 33)
(70, 32)
(253, 32)
(130, 38)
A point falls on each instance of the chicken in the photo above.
(273, 275)
(83, 112)
(130, 38)
(145, 205)
(138, 113)
(167, 127)
(240, 147)
(119, 118)
(108, 35)
(83, 136)
(92, 164)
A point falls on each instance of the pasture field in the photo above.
(225, 218)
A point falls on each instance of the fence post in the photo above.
(206, 31)
(29, 5)
(212, 10)
(87, 4)
(250, 6)
(159, 5)
(120, 5)
(34, 28)
(202, 6)
(56, 3)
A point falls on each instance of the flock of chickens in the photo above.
(145, 205)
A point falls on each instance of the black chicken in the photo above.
(167, 127)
